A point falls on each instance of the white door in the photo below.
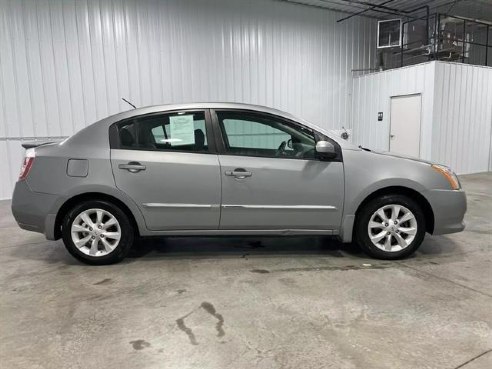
(405, 125)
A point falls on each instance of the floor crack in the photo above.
(446, 279)
(472, 359)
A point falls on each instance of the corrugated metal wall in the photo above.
(66, 63)
(463, 117)
(372, 94)
(456, 112)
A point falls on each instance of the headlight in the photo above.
(449, 175)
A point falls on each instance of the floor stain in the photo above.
(104, 281)
(181, 291)
(139, 344)
(291, 282)
(209, 308)
(181, 325)
(259, 271)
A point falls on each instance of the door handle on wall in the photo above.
(238, 173)
(133, 167)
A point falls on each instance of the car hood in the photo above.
(400, 156)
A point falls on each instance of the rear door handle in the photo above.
(133, 167)
(238, 173)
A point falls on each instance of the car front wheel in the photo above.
(390, 227)
(97, 232)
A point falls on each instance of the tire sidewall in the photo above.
(362, 235)
(126, 240)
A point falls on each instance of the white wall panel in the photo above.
(372, 94)
(463, 117)
(456, 111)
(66, 63)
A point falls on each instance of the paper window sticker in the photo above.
(182, 130)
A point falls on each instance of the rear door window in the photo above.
(177, 131)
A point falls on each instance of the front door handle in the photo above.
(238, 173)
(133, 167)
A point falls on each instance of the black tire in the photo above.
(365, 214)
(123, 247)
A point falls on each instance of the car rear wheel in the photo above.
(97, 232)
(390, 227)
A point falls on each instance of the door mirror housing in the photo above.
(325, 150)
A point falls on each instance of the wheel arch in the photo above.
(72, 201)
(401, 190)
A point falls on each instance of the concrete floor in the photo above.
(251, 303)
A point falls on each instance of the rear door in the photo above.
(166, 162)
(271, 177)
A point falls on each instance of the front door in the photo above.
(405, 125)
(165, 163)
(271, 177)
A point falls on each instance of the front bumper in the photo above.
(449, 209)
(34, 211)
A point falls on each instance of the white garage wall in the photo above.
(463, 117)
(456, 112)
(372, 94)
(66, 63)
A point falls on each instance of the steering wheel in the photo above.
(281, 149)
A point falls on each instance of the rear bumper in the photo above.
(33, 211)
(449, 209)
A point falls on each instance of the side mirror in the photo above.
(325, 150)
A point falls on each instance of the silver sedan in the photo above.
(227, 169)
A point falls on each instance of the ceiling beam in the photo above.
(374, 6)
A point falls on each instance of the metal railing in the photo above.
(443, 37)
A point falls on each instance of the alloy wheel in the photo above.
(96, 232)
(392, 228)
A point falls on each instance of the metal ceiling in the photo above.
(475, 9)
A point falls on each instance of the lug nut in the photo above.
(388, 233)
(92, 238)
(386, 224)
(396, 222)
(90, 229)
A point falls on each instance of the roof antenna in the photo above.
(128, 102)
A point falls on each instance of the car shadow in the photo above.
(274, 246)
(244, 247)
(436, 249)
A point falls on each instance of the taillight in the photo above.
(27, 164)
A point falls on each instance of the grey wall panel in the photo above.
(66, 63)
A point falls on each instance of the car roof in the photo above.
(213, 105)
(106, 122)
